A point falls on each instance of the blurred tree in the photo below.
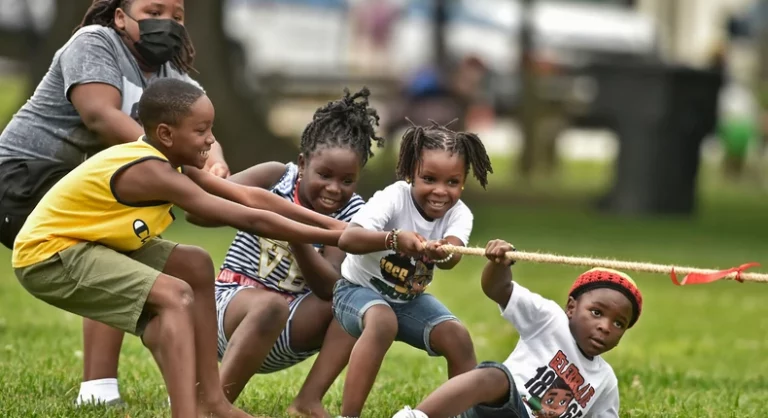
(440, 19)
(528, 84)
(241, 118)
(241, 111)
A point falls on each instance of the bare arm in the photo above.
(497, 275)
(99, 106)
(157, 180)
(319, 270)
(358, 240)
(262, 175)
(257, 198)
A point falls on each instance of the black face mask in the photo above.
(159, 40)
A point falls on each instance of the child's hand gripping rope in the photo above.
(496, 251)
(692, 275)
(407, 242)
(433, 250)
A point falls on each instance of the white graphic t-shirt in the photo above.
(548, 365)
(397, 277)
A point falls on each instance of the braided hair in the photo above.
(438, 137)
(102, 12)
(345, 122)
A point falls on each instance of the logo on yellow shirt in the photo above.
(141, 230)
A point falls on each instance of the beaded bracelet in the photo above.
(443, 260)
(390, 242)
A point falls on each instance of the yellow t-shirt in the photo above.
(82, 207)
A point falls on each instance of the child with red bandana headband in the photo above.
(556, 369)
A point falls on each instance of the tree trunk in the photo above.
(36, 49)
(529, 103)
(241, 119)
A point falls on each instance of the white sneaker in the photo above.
(407, 412)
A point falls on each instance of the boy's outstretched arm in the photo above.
(156, 180)
(262, 175)
(258, 198)
(497, 274)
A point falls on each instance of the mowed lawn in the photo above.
(697, 351)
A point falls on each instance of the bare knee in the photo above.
(380, 322)
(493, 383)
(270, 315)
(170, 293)
(191, 264)
(451, 340)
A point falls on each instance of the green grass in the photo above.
(696, 351)
(12, 91)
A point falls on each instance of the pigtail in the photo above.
(411, 145)
(476, 156)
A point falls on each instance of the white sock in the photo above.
(98, 391)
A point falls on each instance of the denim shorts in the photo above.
(415, 319)
(512, 408)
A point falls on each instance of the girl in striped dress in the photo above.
(274, 298)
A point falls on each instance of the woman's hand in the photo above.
(218, 169)
(216, 164)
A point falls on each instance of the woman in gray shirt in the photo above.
(87, 101)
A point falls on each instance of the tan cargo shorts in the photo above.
(96, 282)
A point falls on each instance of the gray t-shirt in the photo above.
(48, 126)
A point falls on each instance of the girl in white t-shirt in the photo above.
(556, 369)
(393, 246)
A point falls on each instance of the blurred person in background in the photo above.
(459, 96)
(373, 23)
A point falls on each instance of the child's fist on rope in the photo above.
(433, 250)
(410, 243)
(496, 251)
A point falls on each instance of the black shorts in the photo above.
(513, 407)
(22, 184)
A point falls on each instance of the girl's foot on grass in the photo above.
(307, 410)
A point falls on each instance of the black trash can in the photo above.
(661, 114)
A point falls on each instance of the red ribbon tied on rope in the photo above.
(701, 278)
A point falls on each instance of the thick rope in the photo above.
(604, 263)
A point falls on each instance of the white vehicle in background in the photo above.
(311, 37)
